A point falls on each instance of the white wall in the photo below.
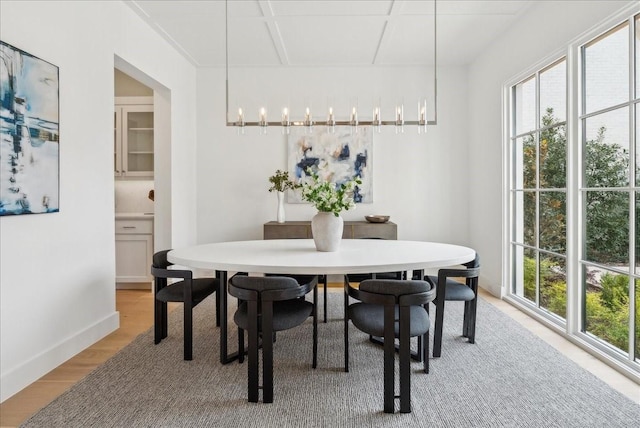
(57, 271)
(545, 29)
(421, 181)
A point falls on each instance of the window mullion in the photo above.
(537, 191)
(574, 153)
(632, 184)
(581, 216)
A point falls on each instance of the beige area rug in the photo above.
(509, 378)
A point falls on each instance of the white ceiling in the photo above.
(329, 32)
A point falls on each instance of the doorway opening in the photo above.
(142, 190)
(134, 185)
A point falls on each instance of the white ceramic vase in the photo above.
(326, 228)
(280, 207)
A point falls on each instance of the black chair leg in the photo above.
(389, 361)
(465, 320)
(188, 332)
(405, 360)
(472, 320)
(252, 357)
(217, 310)
(324, 284)
(346, 330)
(267, 354)
(425, 346)
(165, 321)
(158, 329)
(425, 352)
(437, 338)
(314, 363)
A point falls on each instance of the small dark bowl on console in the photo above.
(377, 218)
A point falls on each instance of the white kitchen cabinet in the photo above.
(133, 137)
(134, 251)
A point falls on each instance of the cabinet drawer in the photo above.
(374, 230)
(134, 226)
(287, 231)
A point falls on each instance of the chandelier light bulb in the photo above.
(240, 117)
(400, 119)
(263, 117)
(376, 122)
(307, 118)
(331, 121)
(400, 115)
(422, 116)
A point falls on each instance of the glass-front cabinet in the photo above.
(133, 137)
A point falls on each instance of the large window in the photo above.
(539, 189)
(607, 195)
(580, 268)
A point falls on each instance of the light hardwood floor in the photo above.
(136, 316)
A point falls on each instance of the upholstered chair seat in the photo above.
(187, 290)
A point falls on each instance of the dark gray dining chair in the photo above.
(391, 309)
(267, 305)
(452, 290)
(188, 290)
(302, 279)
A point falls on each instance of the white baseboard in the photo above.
(33, 369)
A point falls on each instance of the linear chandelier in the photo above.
(330, 122)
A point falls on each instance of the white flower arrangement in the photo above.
(327, 196)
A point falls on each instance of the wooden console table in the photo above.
(352, 230)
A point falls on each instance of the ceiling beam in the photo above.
(388, 29)
(274, 31)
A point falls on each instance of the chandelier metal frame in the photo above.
(308, 121)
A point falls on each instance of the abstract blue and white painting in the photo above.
(29, 136)
(337, 156)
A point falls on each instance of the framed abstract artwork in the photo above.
(336, 156)
(29, 133)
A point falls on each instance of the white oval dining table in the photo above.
(299, 256)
